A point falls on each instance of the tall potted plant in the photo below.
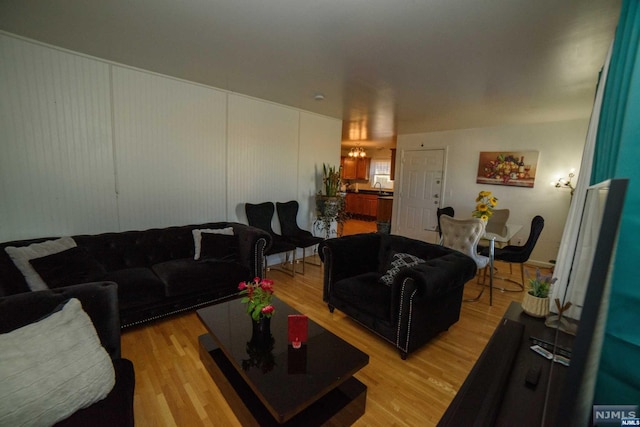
(330, 206)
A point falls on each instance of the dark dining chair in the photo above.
(519, 254)
(288, 217)
(448, 210)
(260, 216)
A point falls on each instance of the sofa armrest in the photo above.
(252, 243)
(99, 300)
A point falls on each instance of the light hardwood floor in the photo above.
(174, 389)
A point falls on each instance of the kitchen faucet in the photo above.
(378, 183)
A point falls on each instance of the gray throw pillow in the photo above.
(398, 261)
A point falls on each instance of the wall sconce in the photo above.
(565, 183)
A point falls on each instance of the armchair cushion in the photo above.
(51, 368)
(366, 287)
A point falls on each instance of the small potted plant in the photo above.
(536, 301)
(257, 295)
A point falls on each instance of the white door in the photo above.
(420, 193)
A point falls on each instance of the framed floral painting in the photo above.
(514, 168)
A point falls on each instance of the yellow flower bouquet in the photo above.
(485, 203)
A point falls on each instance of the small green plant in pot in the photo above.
(536, 301)
(540, 286)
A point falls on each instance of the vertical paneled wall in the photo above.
(263, 153)
(315, 131)
(56, 157)
(88, 146)
(169, 149)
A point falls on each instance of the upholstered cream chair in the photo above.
(463, 235)
(497, 223)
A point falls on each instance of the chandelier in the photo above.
(357, 152)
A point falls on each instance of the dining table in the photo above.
(503, 240)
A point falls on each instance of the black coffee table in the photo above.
(310, 386)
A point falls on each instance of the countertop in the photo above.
(383, 194)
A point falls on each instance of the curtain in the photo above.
(617, 156)
(566, 253)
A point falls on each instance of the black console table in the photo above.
(496, 392)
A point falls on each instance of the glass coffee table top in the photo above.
(286, 380)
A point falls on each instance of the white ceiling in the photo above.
(384, 66)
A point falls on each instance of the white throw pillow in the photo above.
(197, 237)
(52, 368)
(21, 256)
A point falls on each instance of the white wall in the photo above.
(88, 146)
(169, 135)
(560, 148)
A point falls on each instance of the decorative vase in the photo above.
(260, 347)
(330, 210)
(535, 306)
(261, 333)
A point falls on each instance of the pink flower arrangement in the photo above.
(257, 295)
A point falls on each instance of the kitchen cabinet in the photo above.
(355, 168)
(362, 204)
(370, 207)
(385, 206)
(351, 202)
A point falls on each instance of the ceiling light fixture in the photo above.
(318, 97)
(357, 152)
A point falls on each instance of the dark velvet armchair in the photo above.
(100, 301)
(406, 309)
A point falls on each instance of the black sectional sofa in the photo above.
(155, 269)
(405, 290)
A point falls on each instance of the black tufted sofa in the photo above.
(155, 269)
(422, 301)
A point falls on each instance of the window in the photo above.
(381, 172)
